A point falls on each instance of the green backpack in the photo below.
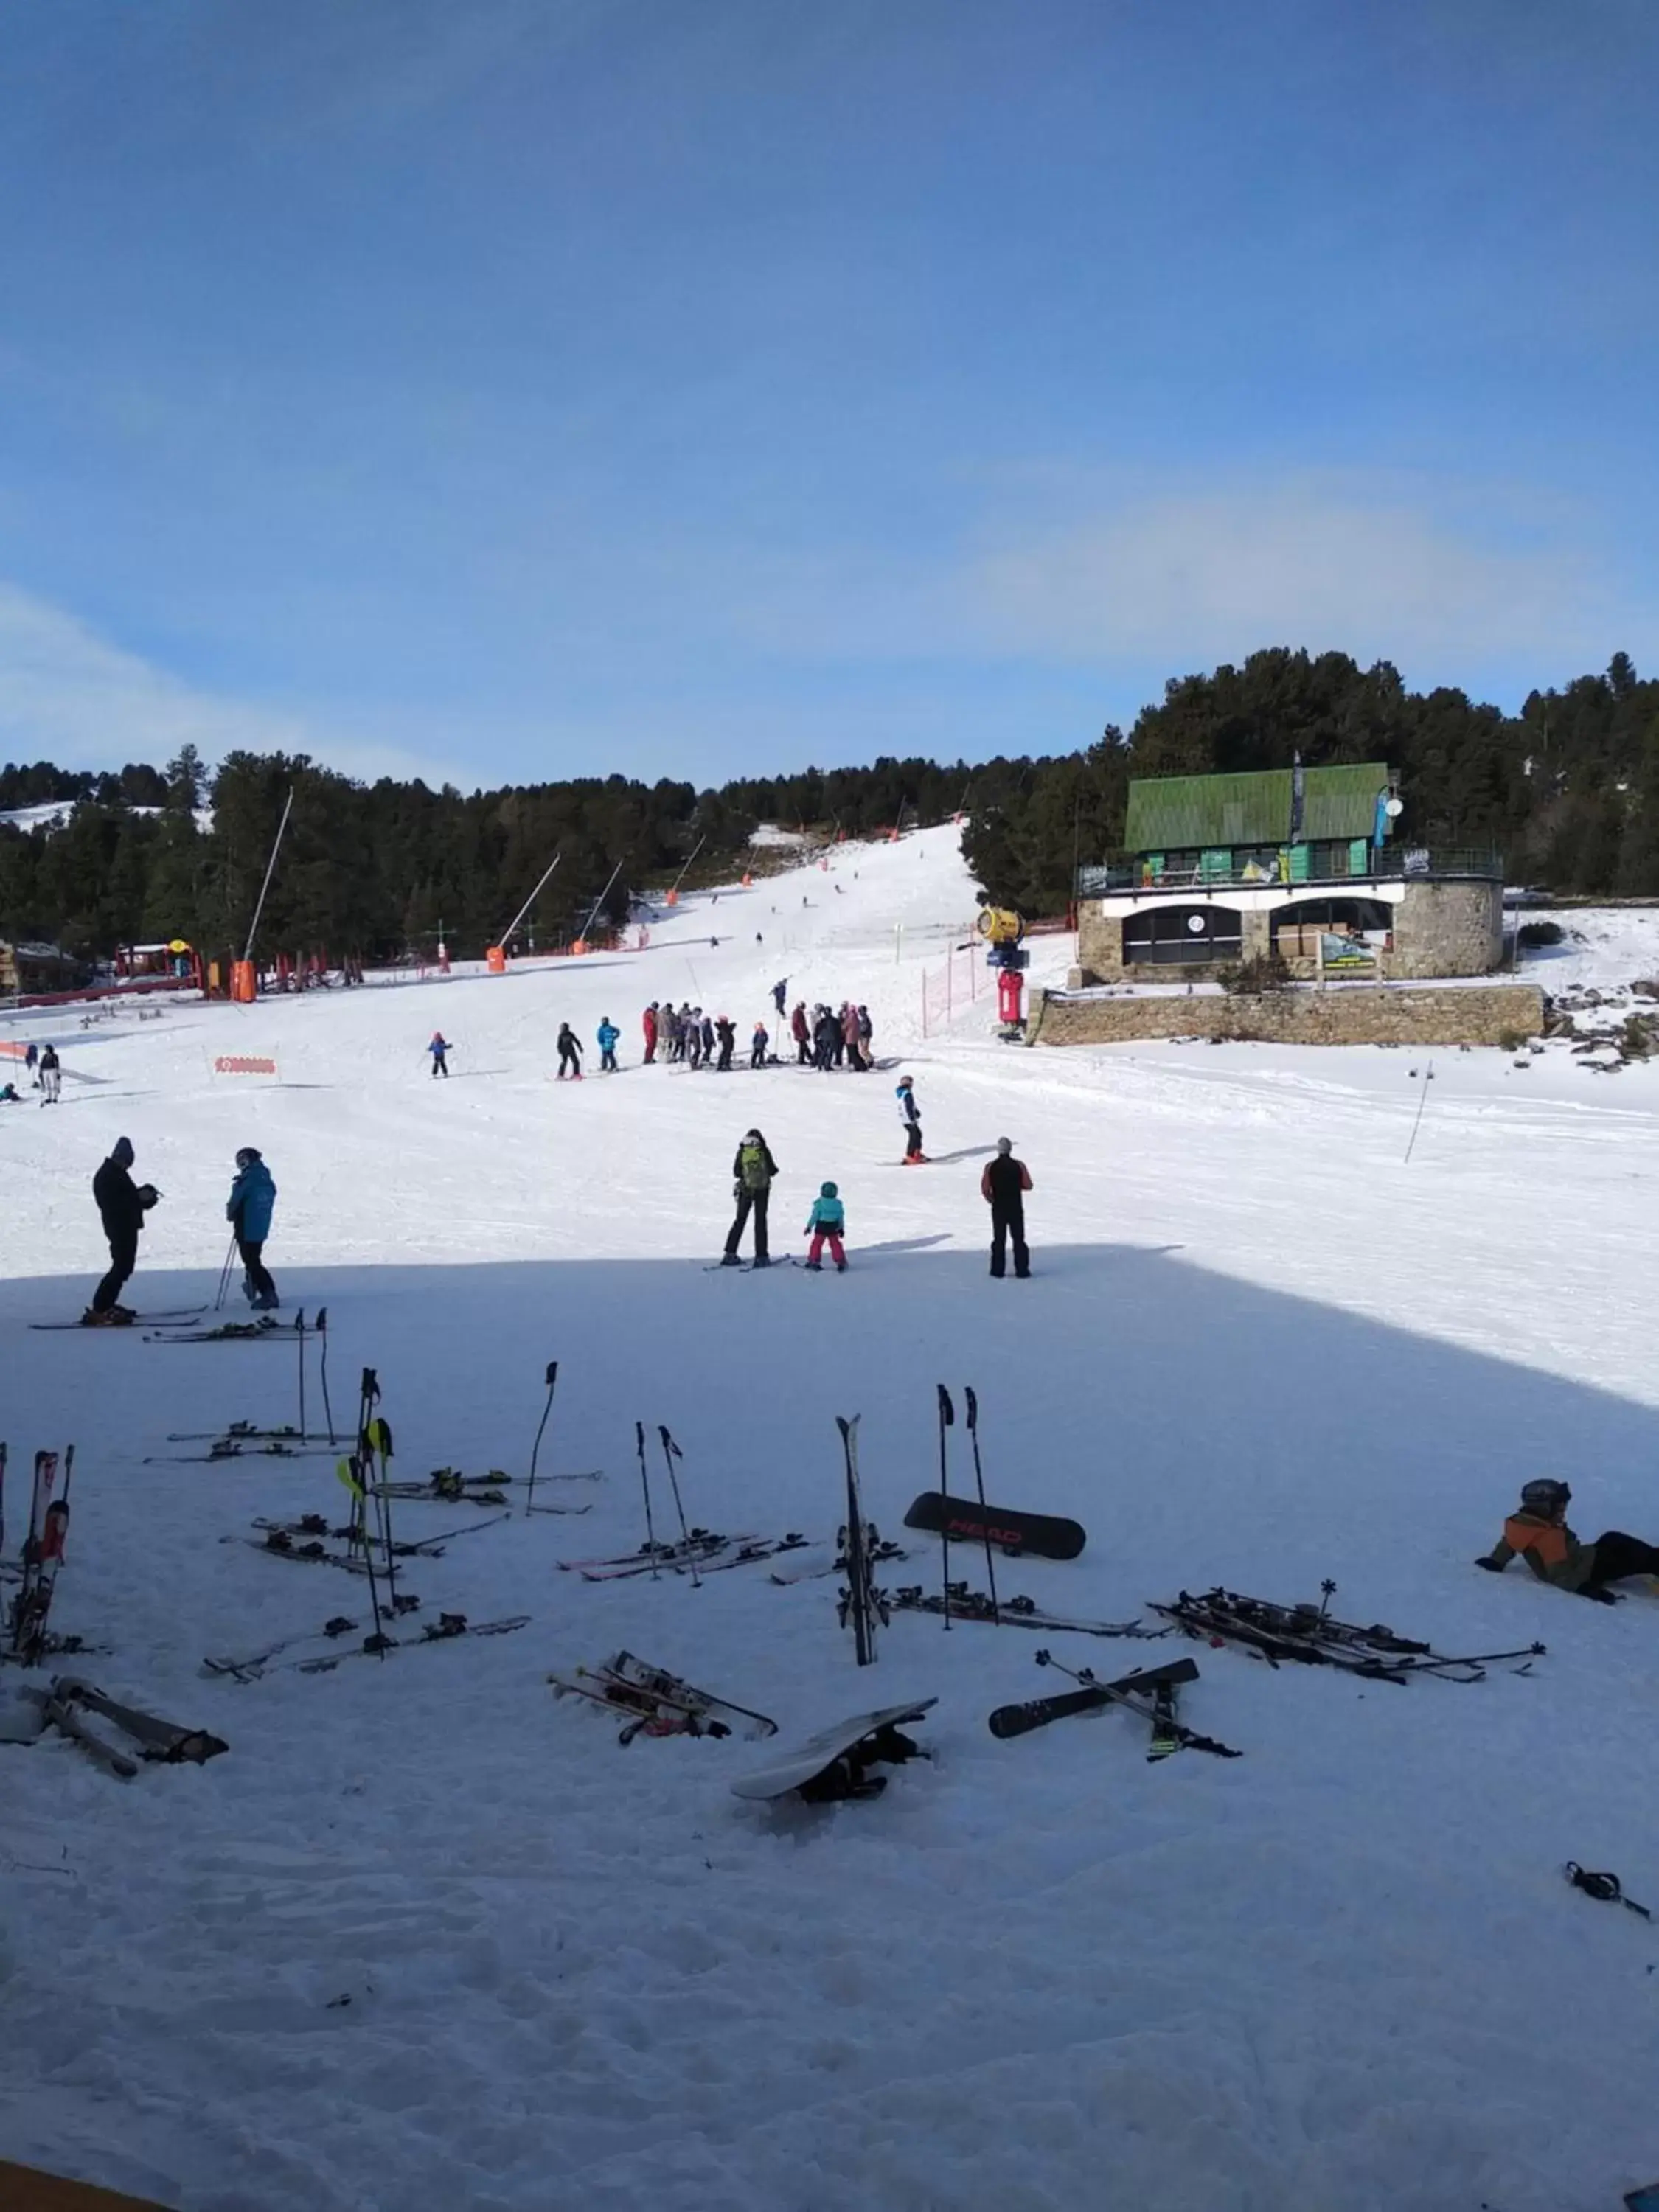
(751, 1166)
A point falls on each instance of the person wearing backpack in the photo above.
(752, 1171)
(827, 1222)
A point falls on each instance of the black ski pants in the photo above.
(253, 1264)
(1008, 1221)
(1618, 1555)
(440, 1065)
(758, 1055)
(123, 1259)
(568, 1063)
(802, 1057)
(723, 1064)
(913, 1140)
(749, 1202)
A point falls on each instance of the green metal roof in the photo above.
(1179, 813)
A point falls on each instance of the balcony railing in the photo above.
(1291, 866)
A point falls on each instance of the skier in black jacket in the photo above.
(1003, 1187)
(752, 1172)
(122, 1206)
(570, 1053)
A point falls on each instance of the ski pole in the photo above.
(300, 1339)
(1428, 1078)
(552, 1379)
(946, 1416)
(645, 1485)
(322, 1332)
(2, 1501)
(972, 1404)
(224, 1274)
(671, 1452)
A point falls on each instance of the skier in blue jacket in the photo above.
(826, 1222)
(605, 1036)
(253, 1195)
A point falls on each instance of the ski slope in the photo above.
(427, 1938)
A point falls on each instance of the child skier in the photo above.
(253, 1195)
(826, 1223)
(910, 1115)
(570, 1053)
(605, 1036)
(439, 1048)
(1537, 1531)
(757, 1045)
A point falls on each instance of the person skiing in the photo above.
(866, 1033)
(780, 992)
(1537, 1531)
(706, 1035)
(122, 1205)
(248, 1210)
(51, 1076)
(32, 1062)
(1003, 1187)
(827, 1222)
(728, 1037)
(439, 1048)
(849, 1032)
(910, 1115)
(570, 1053)
(801, 1034)
(826, 1038)
(693, 1034)
(752, 1172)
(605, 1037)
(757, 1045)
(648, 1023)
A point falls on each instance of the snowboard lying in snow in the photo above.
(1047, 1535)
(834, 1763)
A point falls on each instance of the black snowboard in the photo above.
(1043, 1536)
(1038, 1712)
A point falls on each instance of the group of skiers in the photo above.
(1003, 1185)
(46, 1075)
(123, 1206)
(833, 1036)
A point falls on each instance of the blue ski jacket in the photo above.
(607, 1034)
(253, 1195)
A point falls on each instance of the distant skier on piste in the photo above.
(728, 1036)
(570, 1053)
(605, 1037)
(752, 1174)
(1537, 1531)
(910, 1115)
(252, 1197)
(780, 992)
(439, 1048)
(1003, 1187)
(122, 1205)
(758, 1044)
(801, 1034)
(826, 1223)
(51, 1076)
(648, 1023)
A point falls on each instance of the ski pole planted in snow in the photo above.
(645, 1486)
(224, 1275)
(300, 1339)
(321, 1328)
(552, 1380)
(671, 1452)
(946, 1416)
(972, 1404)
(1423, 1100)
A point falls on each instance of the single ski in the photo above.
(689, 1558)
(748, 1555)
(834, 1764)
(242, 1432)
(1038, 1712)
(878, 1552)
(43, 1554)
(262, 1331)
(446, 1629)
(1012, 1613)
(1047, 1535)
(160, 1740)
(222, 1452)
(138, 1321)
(253, 1664)
(650, 1553)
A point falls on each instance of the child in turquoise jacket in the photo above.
(827, 1221)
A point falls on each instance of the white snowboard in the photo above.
(809, 1759)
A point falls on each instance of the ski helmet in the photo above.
(1546, 1495)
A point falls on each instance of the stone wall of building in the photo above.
(1447, 928)
(1352, 1013)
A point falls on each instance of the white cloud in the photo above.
(70, 696)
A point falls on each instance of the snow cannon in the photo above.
(1000, 926)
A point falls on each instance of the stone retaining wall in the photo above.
(1349, 1014)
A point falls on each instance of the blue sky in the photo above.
(507, 389)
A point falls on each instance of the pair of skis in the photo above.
(965, 1604)
(1151, 1693)
(861, 1603)
(1309, 1635)
(657, 1703)
(27, 1641)
(694, 1545)
(71, 1705)
(327, 1647)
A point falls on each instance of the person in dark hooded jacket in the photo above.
(122, 1205)
(570, 1053)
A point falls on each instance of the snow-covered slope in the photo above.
(426, 1938)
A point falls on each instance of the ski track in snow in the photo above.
(1341, 1972)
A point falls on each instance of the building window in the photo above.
(1181, 936)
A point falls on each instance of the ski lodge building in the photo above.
(1303, 863)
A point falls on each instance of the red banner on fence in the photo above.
(243, 1063)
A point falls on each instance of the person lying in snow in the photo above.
(1537, 1531)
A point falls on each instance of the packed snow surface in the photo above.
(427, 1938)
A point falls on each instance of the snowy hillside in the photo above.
(427, 1938)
